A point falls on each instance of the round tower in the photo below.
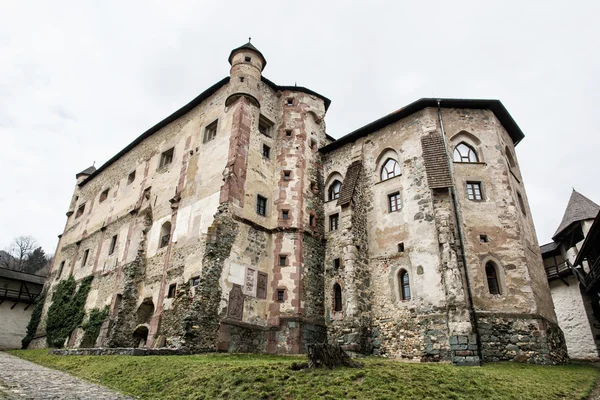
(247, 64)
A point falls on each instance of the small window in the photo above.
(86, 254)
(492, 278)
(80, 211)
(484, 238)
(521, 203)
(265, 126)
(337, 298)
(509, 157)
(280, 295)
(404, 285)
(103, 195)
(390, 169)
(210, 132)
(166, 157)
(282, 261)
(288, 132)
(313, 145)
(247, 59)
(336, 263)
(261, 205)
(285, 214)
(401, 247)
(131, 178)
(266, 151)
(314, 187)
(311, 220)
(113, 244)
(287, 175)
(172, 290)
(463, 153)
(334, 190)
(165, 234)
(394, 203)
(194, 281)
(241, 79)
(60, 269)
(474, 191)
(334, 222)
(290, 102)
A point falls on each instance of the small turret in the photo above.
(247, 64)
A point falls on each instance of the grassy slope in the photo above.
(213, 376)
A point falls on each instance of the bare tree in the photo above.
(18, 252)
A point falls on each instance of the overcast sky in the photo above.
(80, 80)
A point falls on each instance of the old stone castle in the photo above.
(238, 224)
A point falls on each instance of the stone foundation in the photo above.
(117, 351)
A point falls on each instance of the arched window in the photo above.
(492, 278)
(404, 285)
(463, 153)
(334, 190)
(509, 157)
(165, 234)
(390, 169)
(337, 297)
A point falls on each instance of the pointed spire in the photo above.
(579, 208)
(248, 46)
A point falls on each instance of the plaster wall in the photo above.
(14, 324)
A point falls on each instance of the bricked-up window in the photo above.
(80, 211)
(334, 220)
(194, 281)
(287, 175)
(113, 244)
(463, 153)
(103, 195)
(474, 191)
(210, 132)
(337, 297)
(265, 126)
(394, 202)
(172, 290)
(60, 269)
(131, 178)
(521, 203)
(266, 151)
(492, 278)
(86, 254)
(280, 295)
(166, 157)
(261, 285)
(390, 169)
(165, 234)
(336, 263)
(261, 205)
(404, 285)
(334, 190)
(282, 261)
(285, 214)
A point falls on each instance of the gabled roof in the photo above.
(493, 105)
(579, 208)
(87, 171)
(549, 247)
(248, 46)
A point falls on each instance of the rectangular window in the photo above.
(336, 263)
(394, 203)
(210, 132)
(166, 157)
(313, 145)
(401, 247)
(474, 191)
(195, 281)
(334, 222)
(280, 295)
(113, 244)
(261, 205)
(288, 132)
(521, 203)
(60, 269)
(265, 126)
(131, 178)
(282, 261)
(287, 175)
(247, 59)
(103, 195)
(285, 214)
(80, 211)
(164, 240)
(85, 257)
(290, 102)
(172, 291)
(266, 151)
(311, 220)
(261, 285)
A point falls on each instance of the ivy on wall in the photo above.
(67, 310)
(92, 326)
(36, 316)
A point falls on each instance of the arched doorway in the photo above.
(140, 336)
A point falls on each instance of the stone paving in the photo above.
(20, 379)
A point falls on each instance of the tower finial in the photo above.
(94, 164)
(249, 39)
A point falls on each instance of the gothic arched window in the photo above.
(492, 278)
(334, 190)
(390, 169)
(404, 285)
(337, 297)
(463, 153)
(165, 234)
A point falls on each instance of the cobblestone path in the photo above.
(20, 379)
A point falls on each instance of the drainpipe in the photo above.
(460, 239)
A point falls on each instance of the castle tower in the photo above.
(247, 64)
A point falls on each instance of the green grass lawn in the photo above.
(241, 376)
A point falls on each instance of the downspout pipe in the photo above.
(460, 238)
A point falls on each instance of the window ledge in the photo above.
(469, 163)
(389, 179)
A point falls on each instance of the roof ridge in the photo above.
(579, 208)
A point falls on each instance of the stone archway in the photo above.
(145, 311)
(140, 336)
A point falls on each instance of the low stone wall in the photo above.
(118, 351)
